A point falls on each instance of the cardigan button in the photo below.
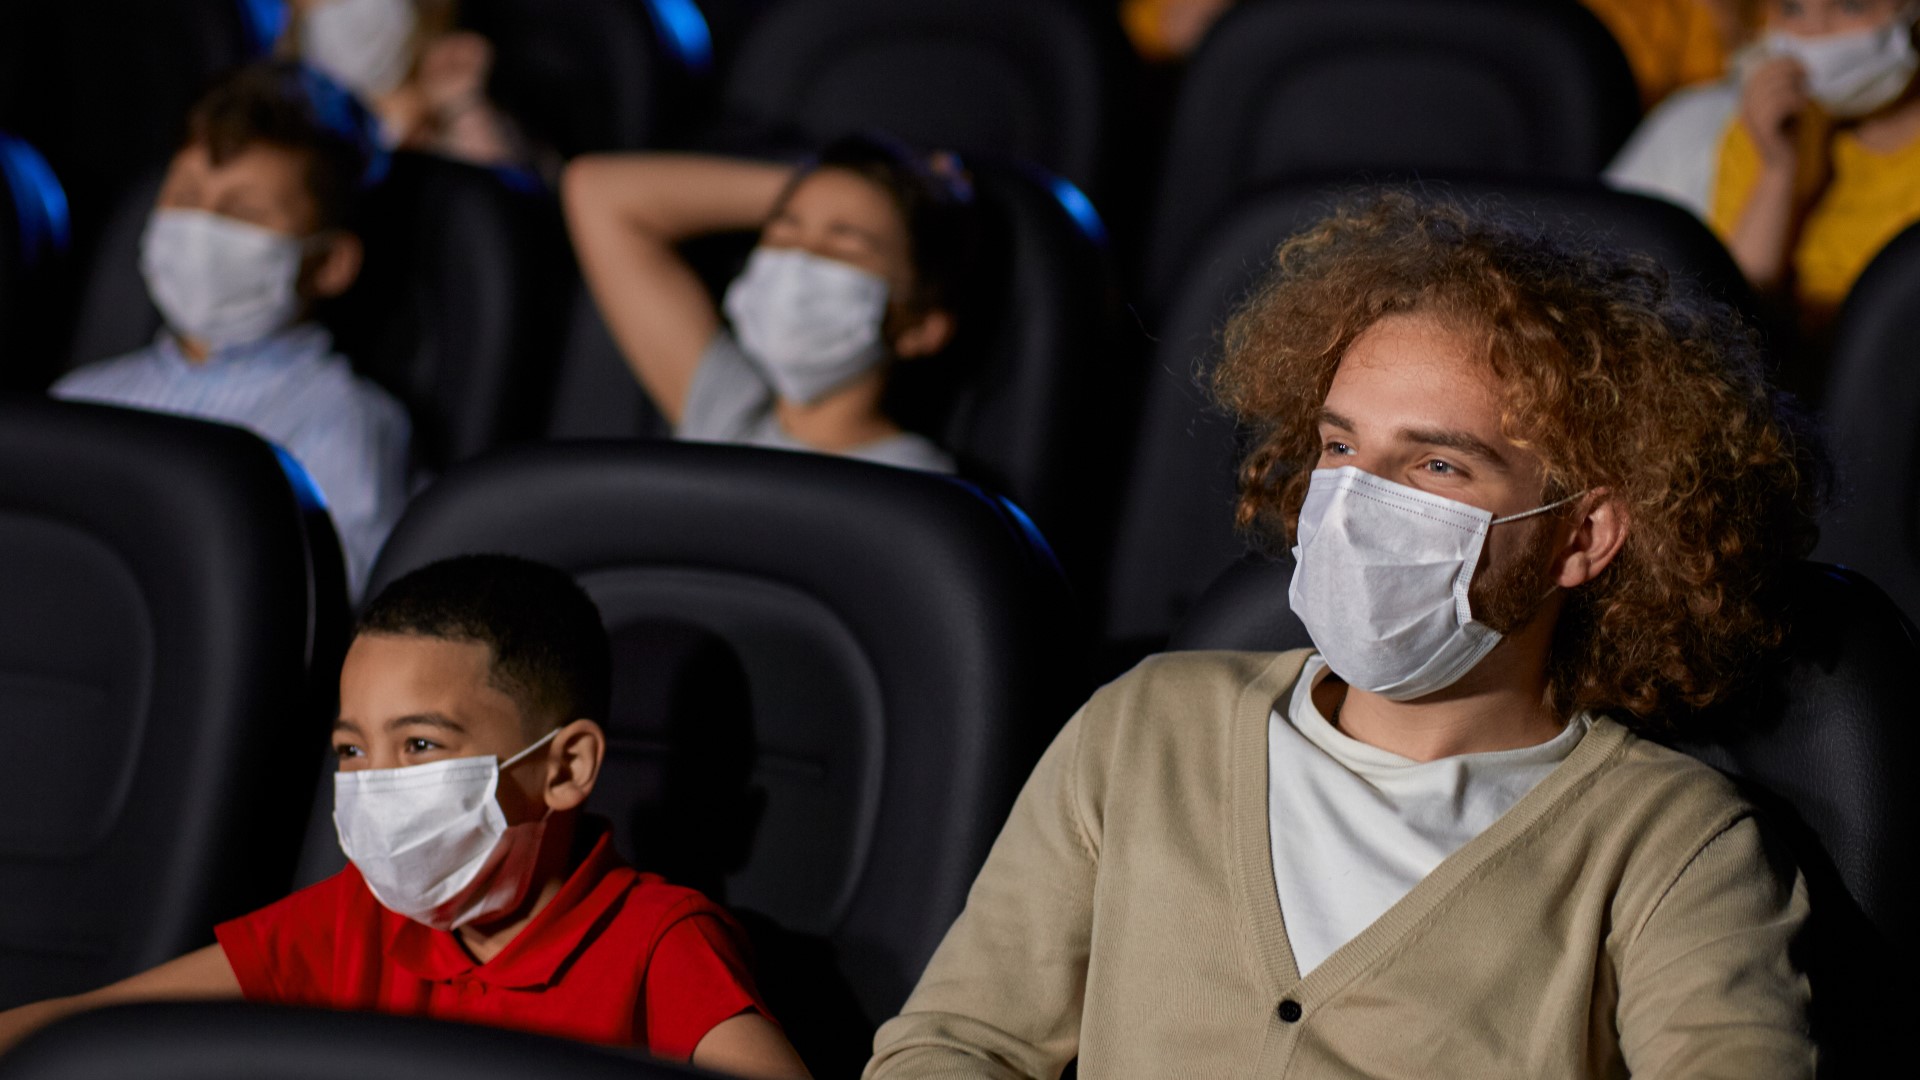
(1289, 1010)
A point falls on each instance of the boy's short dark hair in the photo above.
(550, 651)
(285, 104)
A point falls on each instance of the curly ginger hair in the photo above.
(1615, 375)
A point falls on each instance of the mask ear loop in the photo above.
(522, 756)
(1539, 509)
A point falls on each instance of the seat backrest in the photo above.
(1873, 395)
(103, 86)
(1027, 79)
(1025, 398)
(588, 75)
(1821, 744)
(831, 679)
(457, 309)
(237, 1041)
(1286, 89)
(460, 306)
(35, 232)
(1176, 518)
(165, 635)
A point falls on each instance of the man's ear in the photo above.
(1597, 537)
(924, 334)
(332, 268)
(573, 764)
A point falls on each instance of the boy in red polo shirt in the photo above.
(477, 889)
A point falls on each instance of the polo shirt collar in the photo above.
(301, 341)
(539, 955)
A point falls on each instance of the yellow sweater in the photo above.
(1622, 917)
(1868, 197)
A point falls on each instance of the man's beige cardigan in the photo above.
(1623, 917)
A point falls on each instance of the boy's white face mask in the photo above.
(432, 842)
(812, 323)
(364, 45)
(1854, 73)
(1380, 578)
(219, 280)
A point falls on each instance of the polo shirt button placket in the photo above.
(1290, 1011)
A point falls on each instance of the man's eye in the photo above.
(421, 746)
(1440, 468)
(1338, 449)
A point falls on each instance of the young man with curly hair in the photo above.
(1538, 498)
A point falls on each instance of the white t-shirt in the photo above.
(1675, 152)
(1354, 828)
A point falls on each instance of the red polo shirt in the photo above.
(616, 957)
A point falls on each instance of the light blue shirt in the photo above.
(292, 390)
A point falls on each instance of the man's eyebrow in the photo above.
(432, 720)
(1461, 441)
(1333, 419)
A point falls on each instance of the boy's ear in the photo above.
(924, 334)
(573, 764)
(332, 268)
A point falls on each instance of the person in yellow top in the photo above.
(1806, 160)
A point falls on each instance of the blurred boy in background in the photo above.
(252, 227)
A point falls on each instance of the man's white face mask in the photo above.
(217, 280)
(1380, 578)
(1854, 73)
(364, 45)
(432, 842)
(813, 324)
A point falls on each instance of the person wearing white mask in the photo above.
(422, 74)
(862, 257)
(1806, 160)
(1539, 497)
(478, 889)
(251, 228)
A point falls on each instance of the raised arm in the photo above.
(202, 975)
(1002, 997)
(1773, 105)
(625, 213)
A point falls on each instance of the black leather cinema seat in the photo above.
(1872, 412)
(584, 75)
(831, 679)
(1176, 519)
(456, 311)
(35, 232)
(1031, 80)
(103, 86)
(1285, 89)
(168, 625)
(1821, 744)
(232, 1041)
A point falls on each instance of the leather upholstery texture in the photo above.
(168, 644)
(236, 1041)
(1031, 80)
(1872, 396)
(1285, 89)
